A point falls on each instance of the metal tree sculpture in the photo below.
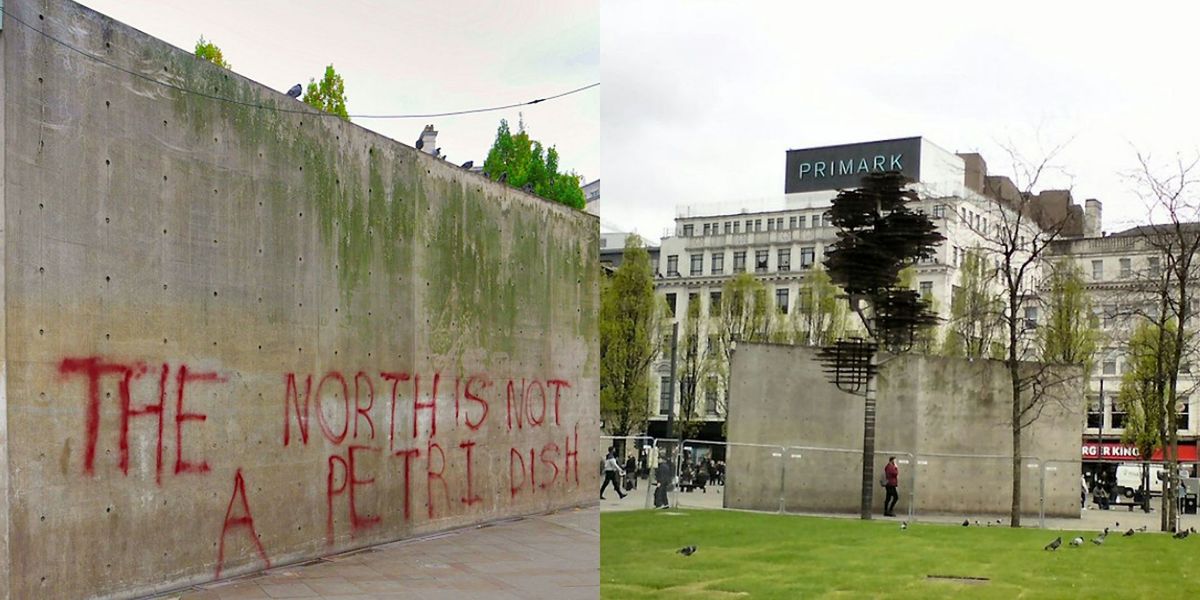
(878, 235)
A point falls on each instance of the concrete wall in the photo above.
(927, 406)
(242, 337)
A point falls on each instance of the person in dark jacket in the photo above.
(891, 479)
(664, 478)
(631, 473)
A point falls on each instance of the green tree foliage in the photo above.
(819, 317)
(976, 311)
(926, 341)
(523, 162)
(328, 95)
(691, 375)
(1070, 333)
(210, 52)
(1143, 393)
(630, 319)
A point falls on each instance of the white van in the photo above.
(1129, 478)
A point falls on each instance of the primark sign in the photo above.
(842, 167)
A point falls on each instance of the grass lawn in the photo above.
(748, 555)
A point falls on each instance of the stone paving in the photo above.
(553, 556)
(1117, 517)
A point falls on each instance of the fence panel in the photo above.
(640, 448)
(754, 476)
(700, 467)
(977, 487)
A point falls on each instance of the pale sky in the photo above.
(703, 98)
(412, 57)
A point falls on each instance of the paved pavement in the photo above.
(1092, 519)
(548, 556)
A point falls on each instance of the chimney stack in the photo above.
(1091, 218)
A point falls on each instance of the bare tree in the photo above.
(1015, 233)
(1173, 234)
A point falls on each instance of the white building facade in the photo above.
(780, 240)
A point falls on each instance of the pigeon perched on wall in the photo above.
(687, 550)
(420, 144)
(1077, 542)
(295, 90)
(1055, 544)
(468, 164)
(1129, 533)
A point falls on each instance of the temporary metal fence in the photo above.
(812, 479)
(644, 446)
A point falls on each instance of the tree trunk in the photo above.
(1015, 509)
(868, 456)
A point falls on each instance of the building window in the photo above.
(771, 224)
(758, 224)
(1118, 416)
(697, 264)
(800, 222)
(1031, 317)
(1110, 367)
(739, 261)
(707, 229)
(671, 304)
(791, 222)
(710, 396)
(939, 211)
(926, 290)
(1126, 268)
(781, 300)
(688, 230)
(807, 257)
(673, 265)
(785, 260)
(1097, 270)
(736, 225)
(1110, 315)
(718, 263)
(1155, 267)
(826, 220)
(714, 304)
(1095, 415)
(728, 227)
(693, 300)
(664, 395)
(760, 260)
(1182, 414)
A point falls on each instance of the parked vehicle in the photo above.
(1129, 478)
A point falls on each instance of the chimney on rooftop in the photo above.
(1091, 218)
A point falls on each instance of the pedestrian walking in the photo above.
(891, 479)
(611, 471)
(664, 476)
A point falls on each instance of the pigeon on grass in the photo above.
(1077, 542)
(1129, 533)
(1055, 544)
(687, 550)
